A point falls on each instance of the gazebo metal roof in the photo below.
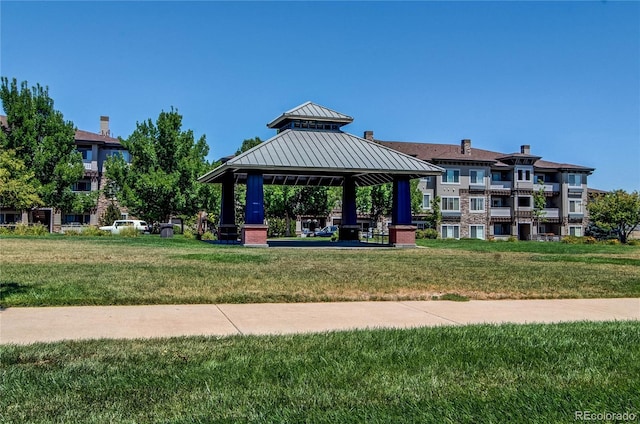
(320, 157)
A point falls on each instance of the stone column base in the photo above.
(402, 235)
(254, 235)
(349, 232)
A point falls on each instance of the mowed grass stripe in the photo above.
(484, 373)
(149, 270)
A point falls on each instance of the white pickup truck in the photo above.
(127, 223)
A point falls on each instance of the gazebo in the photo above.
(310, 149)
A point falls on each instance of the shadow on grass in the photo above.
(9, 289)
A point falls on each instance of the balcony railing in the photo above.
(551, 213)
(501, 185)
(501, 211)
(551, 187)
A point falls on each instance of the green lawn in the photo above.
(499, 374)
(56, 270)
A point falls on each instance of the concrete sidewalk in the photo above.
(29, 325)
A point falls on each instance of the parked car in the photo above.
(118, 225)
(327, 231)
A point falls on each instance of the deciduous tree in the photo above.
(18, 188)
(161, 180)
(42, 140)
(617, 211)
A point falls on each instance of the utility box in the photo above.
(166, 230)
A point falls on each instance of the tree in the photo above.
(110, 215)
(539, 203)
(617, 211)
(280, 202)
(18, 188)
(376, 200)
(416, 197)
(161, 180)
(247, 144)
(434, 217)
(41, 138)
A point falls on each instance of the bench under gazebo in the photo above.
(310, 149)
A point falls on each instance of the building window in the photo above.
(575, 206)
(575, 231)
(502, 229)
(476, 231)
(575, 180)
(476, 204)
(451, 204)
(451, 231)
(82, 185)
(77, 219)
(451, 176)
(524, 201)
(524, 175)
(476, 177)
(86, 153)
(426, 180)
(426, 201)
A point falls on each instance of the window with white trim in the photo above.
(450, 204)
(476, 232)
(524, 175)
(574, 180)
(476, 176)
(575, 206)
(575, 231)
(476, 204)
(426, 201)
(451, 176)
(450, 231)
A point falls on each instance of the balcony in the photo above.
(551, 213)
(501, 212)
(501, 185)
(90, 166)
(551, 187)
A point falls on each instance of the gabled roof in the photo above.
(438, 153)
(311, 111)
(322, 158)
(80, 135)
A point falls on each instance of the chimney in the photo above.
(525, 149)
(368, 135)
(104, 126)
(465, 146)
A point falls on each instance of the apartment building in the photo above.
(487, 194)
(95, 149)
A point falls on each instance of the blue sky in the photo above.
(563, 77)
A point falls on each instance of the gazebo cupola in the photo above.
(310, 116)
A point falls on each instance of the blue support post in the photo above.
(227, 207)
(349, 214)
(254, 209)
(401, 209)
(349, 228)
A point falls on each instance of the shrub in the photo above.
(613, 242)
(94, 232)
(335, 237)
(589, 240)
(207, 236)
(571, 240)
(512, 239)
(188, 234)
(72, 233)
(129, 232)
(30, 230)
(633, 242)
(428, 233)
